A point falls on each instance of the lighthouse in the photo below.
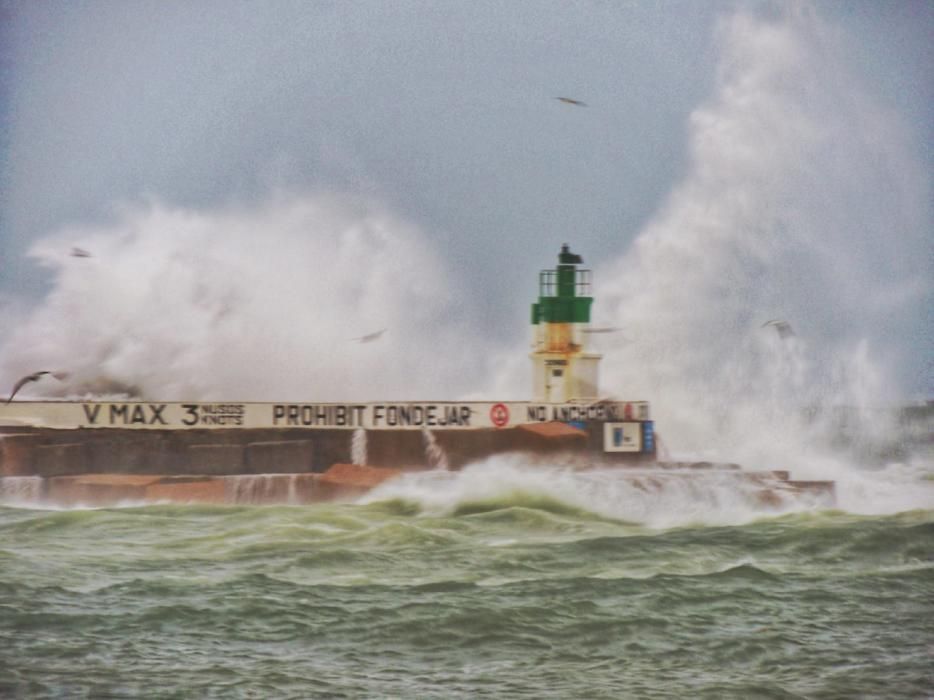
(563, 368)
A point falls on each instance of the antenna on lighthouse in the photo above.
(563, 369)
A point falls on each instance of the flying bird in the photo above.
(79, 253)
(602, 329)
(34, 377)
(370, 337)
(782, 327)
(570, 101)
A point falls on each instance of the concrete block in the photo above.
(285, 456)
(142, 454)
(768, 498)
(823, 488)
(22, 489)
(270, 488)
(350, 480)
(59, 460)
(215, 459)
(17, 454)
(98, 489)
(187, 490)
(554, 430)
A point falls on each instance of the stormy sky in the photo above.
(442, 114)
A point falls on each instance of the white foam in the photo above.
(653, 498)
(20, 490)
(797, 183)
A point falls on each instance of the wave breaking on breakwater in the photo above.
(653, 498)
(803, 202)
(252, 303)
(784, 212)
(660, 497)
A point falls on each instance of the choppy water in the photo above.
(437, 588)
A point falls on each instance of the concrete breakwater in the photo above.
(341, 481)
(95, 467)
(91, 467)
(769, 489)
(51, 453)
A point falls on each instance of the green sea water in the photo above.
(437, 588)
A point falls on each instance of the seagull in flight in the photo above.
(34, 377)
(602, 329)
(782, 327)
(370, 337)
(571, 101)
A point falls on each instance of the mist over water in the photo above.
(801, 202)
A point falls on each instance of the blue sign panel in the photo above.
(648, 436)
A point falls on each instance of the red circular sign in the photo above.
(499, 414)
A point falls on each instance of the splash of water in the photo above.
(435, 455)
(796, 184)
(651, 498)
(20, 490)
(358, 447)
(261, 488)
(258, 303)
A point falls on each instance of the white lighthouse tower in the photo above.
(563, 369)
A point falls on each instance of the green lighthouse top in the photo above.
(563, 293)
(566, 257)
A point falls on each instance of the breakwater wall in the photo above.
(51, 453)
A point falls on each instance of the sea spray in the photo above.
(783, 213)
(503, 585)
(20, 490)
(358, 446)
(258, 489)
(434, 453)
(781, 216)
(257, 302)
(657, 498)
